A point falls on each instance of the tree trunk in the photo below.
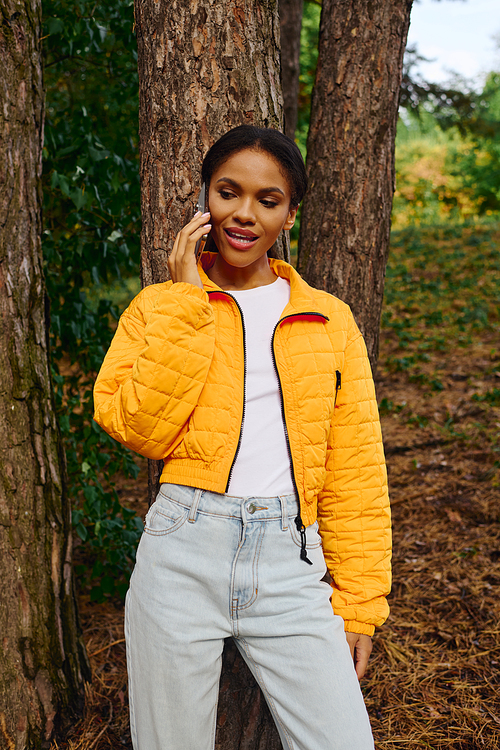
(345, 221)
(43, 663)
(290, 24)
(203, 69)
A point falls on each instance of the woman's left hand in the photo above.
(361, 648)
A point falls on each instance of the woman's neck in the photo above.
(229, 277)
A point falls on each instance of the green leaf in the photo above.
(78, 198)
(82, 532)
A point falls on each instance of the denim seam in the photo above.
(238, 518)
(255, 575)
(267, 694)
(199, 511)
(193, 511)
(133, 728)
(233, 609)
(214, 721)
(296, 540)
(164, 532)
(284, 513)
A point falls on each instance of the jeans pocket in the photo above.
(164, 516)
(313, 539)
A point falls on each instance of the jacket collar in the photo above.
(303, 298)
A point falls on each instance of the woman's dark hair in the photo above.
(280, 146)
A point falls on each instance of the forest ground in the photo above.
(434, 679)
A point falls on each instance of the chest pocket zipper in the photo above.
(338, 385)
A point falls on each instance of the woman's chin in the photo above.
(240, 257)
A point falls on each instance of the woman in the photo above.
(256, 391)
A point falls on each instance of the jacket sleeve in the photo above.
(155, 368)
(353, 508)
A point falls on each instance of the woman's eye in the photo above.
(228, 194)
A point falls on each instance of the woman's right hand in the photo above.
(182, 260)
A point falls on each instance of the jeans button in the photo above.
(252, 508)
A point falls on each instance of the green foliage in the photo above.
(448, 159)
(491, 397)
(309, 37)
(439, 293)
(467, 553)
(91, 239)
(442, 294)
(478, 165)
(387, 407)
(426, 190)
(109, 530)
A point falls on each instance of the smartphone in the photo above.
(201, 205)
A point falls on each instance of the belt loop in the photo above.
(194, 505)
(284, 513)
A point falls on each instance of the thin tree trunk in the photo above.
(345, 221)
(43, 664)
(291, 24)
(203, 69)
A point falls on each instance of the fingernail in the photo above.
(207, 226)
(198, 213)
(207, 213)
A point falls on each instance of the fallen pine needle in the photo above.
(100, 650)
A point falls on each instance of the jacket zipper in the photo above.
(287, 439)
(298, 520)
(238, 446)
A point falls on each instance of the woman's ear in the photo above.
(290, 221)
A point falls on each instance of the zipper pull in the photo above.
(338, 385)
(302, 531)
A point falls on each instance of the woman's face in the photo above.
(249, 203)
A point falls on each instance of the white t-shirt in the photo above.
(262, 467)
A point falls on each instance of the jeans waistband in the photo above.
(247, 509)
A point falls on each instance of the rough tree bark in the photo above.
(43, 664)
(203, 68)
(345, 221)
(290, 24)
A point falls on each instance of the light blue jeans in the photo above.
(211, 566)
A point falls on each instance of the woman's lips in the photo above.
(240, 239)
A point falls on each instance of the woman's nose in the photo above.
(244, 211)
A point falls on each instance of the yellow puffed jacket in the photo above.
(172, 385)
